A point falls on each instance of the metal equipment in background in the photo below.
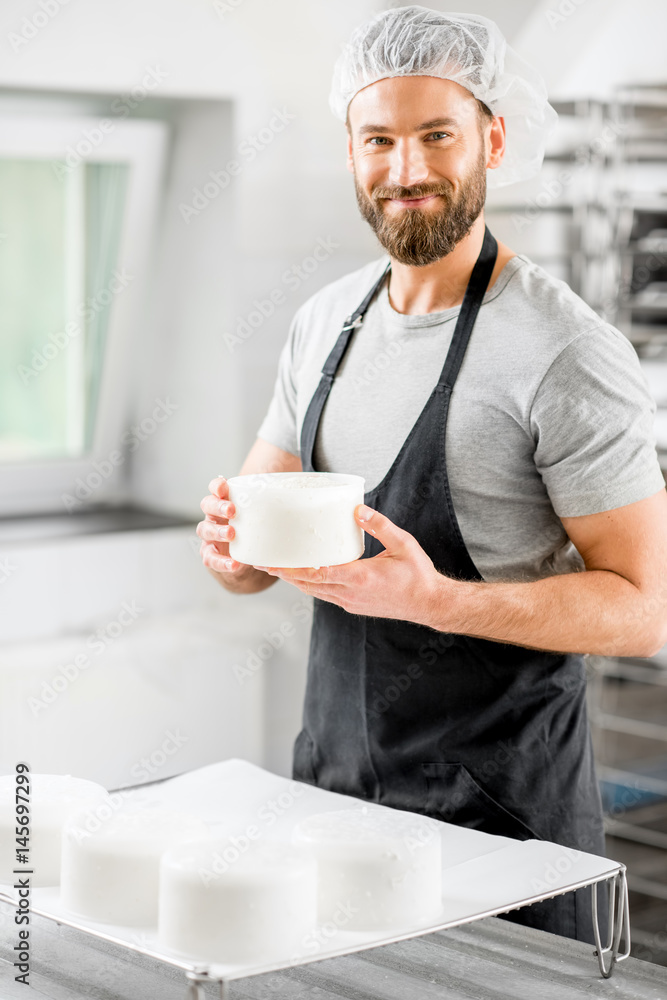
(596, 217)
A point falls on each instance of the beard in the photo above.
(416, 237)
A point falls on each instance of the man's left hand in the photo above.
(398, 583)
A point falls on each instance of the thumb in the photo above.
(391, 536)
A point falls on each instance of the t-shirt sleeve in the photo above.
(279, 424)
(592, 421)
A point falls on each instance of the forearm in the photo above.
(244, 581)
(594, 611)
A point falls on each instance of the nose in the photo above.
(408, 163)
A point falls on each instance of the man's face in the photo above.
(419, 152)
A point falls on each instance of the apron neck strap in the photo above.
(472, 300)
(353, 320)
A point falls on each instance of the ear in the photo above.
(495, 143)
(350, 159)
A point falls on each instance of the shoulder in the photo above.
(551, 319)
(544, 296)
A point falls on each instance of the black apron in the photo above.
(483, 734)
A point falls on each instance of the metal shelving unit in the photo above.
(639, 218)
(630, 696)
(628, 709)
(596, 216)
(561, 219)
(600, 207)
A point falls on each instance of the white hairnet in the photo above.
(467, 48)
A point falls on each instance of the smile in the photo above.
(413, 202)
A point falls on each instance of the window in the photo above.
(77, 219)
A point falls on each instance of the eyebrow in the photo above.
(434, 123)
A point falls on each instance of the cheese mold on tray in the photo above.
(110, 866)
(293, 519)
(385, 868)
(219, 903)
(53, 799)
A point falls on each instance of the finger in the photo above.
(219, 487)
(217, 508)
(303, 575)
(222, 548)
(391, 536)
(214, 560)
(211, 531)
(306, 574)
(342, 573)
(321, 592)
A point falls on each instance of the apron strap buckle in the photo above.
(352, 322)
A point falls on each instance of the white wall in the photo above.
(239, 66)
(259, 56)
(207, 273)
(588, 47)
(110, 642)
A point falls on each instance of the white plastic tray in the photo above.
(483, 875)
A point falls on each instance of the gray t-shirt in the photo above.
(551, 415)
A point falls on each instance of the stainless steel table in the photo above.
(491, 959)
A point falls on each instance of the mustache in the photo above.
(417, 191)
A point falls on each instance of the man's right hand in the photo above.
(216, 532)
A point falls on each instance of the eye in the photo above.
(379, 139)
(438, 135)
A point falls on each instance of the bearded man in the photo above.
(515, 513)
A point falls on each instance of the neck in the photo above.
(441, 285)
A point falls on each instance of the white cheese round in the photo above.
(376, 869)
(293, 519)
(53, 799)
(219, 904)
(110, 868)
